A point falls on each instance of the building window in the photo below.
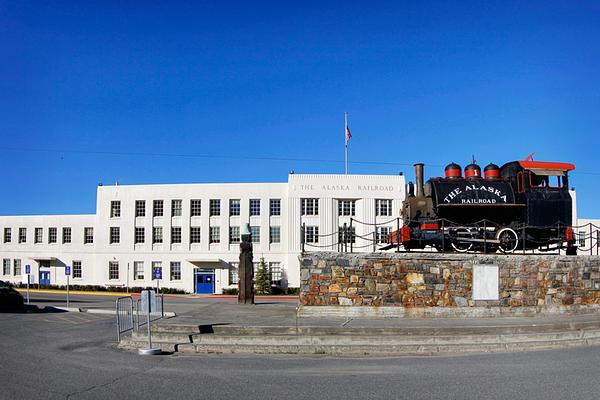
(52, 235)
(22, 235)
(16, 267)
(115, 234)
(115, 209)
(175, 271)
(176, 206)
(195, 208)
(138, 270)
(7, 235)
(140, 235)
(156, 266)
(276, 273)
(382, 233)
(195, 234)
(77, 269)
(255, 232)
(215, 234)
(140, 208)
(383, 207)
(234, 276)
(88, 235)
(234, 234)
(158, 208)
(215, 207)
(581, 239)
(275, 234)
(234, 207)
(113, 270)
(311, 234)
(310, 206)
(6, 266)
(157, 234)
(254, 207)
(275, 207)
(346, 207)
(38, 237)
(66, 235)
(175, 234)
(349, 236)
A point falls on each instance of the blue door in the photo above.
(205, 283)
(44, 277)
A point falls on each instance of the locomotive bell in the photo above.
(472, 171)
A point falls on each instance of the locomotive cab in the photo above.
(543, 187)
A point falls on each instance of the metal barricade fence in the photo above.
(125, 314)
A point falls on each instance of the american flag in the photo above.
(348, 135)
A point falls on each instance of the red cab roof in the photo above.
(547, 165)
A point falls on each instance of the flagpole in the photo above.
(346, 138)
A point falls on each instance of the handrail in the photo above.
(347, 237)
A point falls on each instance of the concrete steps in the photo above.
(422, 340)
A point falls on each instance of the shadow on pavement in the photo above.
(209, 328)
(58, 301)
(29, 308)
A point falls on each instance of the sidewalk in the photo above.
(280, 314)
(274, 328)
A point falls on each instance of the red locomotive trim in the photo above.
(405, 234)
(472, 172)
(430, 227)
(455, 172)
(494, 173)
(547, 165)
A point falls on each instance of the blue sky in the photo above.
(180, 92)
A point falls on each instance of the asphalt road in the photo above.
(50, 355)
(172, 303)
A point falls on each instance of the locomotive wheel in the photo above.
(462, 247)
(509, 240)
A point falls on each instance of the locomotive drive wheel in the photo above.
(509, 240)
(462, 247)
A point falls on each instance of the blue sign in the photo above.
(158, 273)
(67, 270)
(28, 269)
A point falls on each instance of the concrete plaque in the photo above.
(485, 282)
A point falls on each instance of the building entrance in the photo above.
(44, 274)
(205, 282)
(44, 277)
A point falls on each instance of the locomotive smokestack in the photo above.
(419, 179)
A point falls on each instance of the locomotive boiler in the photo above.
(521, 205)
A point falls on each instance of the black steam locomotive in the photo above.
(521, 205)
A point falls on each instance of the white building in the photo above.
(588, 236)
(191, 232)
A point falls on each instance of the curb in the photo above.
(69, 309)
(104, 311)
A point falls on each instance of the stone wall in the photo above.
(418, 281)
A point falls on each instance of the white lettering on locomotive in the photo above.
(454, 193)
